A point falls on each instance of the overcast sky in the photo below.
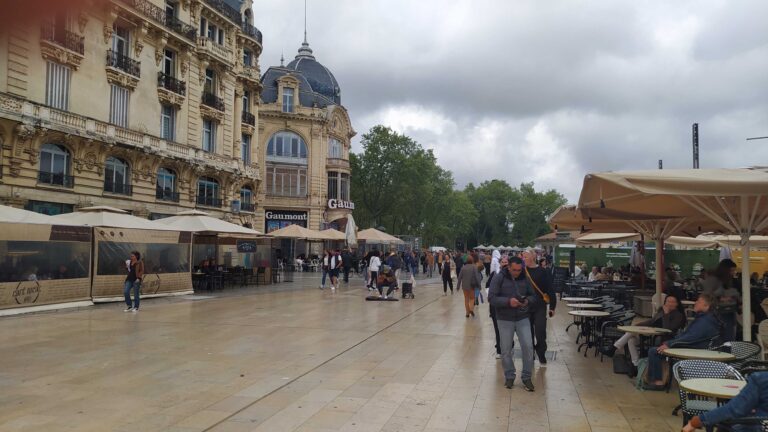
(544, 90)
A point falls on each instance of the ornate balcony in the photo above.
(212, 107)
(160, 16)
(55, 179)
(118, 188)
(249, 118)
(226, 10)
(61, 46)
(337, 163)
(124, 63)
(251, 31)
(170, 83)
(209, 201)
(247, 207)
(214, 51)
(166, 195)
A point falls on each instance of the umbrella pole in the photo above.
(659, 266)
(746, 293)
(641, 251)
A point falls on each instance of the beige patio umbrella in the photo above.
(110, 217)
(375, 236)
(201, 223)
(599, 238)
(297, 232)
(333, 235)
(735, 241)
(15, 215)
(734, 200)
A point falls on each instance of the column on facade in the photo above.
(237, 133)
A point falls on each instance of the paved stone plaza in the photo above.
(291, 357)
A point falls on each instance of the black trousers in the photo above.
(495, 328)
(346, 273)
(539, 331)
(446, 283)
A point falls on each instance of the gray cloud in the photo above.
(544, 91)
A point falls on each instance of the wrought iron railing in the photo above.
(249, 118)
(251, 31)
(166, 195)
(117, 188)
(213, 101)
(170, 83)
(226, 10)
(248, 207)
(63, 38)
(159, 15)
(209, 201)
(55, 179)
(124, 63)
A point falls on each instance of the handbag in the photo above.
(544, 295)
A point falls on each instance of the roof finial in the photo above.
(282, 60)
(305, 22)
(305, 50)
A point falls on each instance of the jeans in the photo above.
(495, 327)
(346, 274)
(446, 283)
(630, 341)
(325, 273)
(429, 270)
(654, 364)
(136, 286)
(372, 280)
(507, 330)
(539, 330)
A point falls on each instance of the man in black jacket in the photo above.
(543, 280)
(513, 297)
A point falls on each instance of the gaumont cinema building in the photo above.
(160, 106)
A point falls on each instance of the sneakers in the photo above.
(135, 309)
(528, 385)
(386, 297)
(130, 309)
(333, 288)
(509, 383)
(322, 286)
(498, 356)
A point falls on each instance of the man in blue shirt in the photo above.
(752, 401)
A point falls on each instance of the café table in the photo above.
(698, 354)
(588, 315)
(577, 299)
(584, 305)
(644, 332)
(713, 387)
(687, 303)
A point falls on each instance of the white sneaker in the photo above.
(135, 310)
(333, 288)
(498, 356)
(386, 297)
(128, 309)
(322, 286)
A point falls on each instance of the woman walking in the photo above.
(326, 266)
(447, 279)
(373, 267)
(469, 280)
(133, 281)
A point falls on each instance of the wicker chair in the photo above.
(609, 333)
(744, 352)
(762, 336)
(694, 404)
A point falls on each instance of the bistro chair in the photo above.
(743, 351)
(693, 404)
(754, 366)
(261, 275)
(609, 333)
(762, 337)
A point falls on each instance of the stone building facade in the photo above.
(151, 106)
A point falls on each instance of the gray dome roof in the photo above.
(317, 85)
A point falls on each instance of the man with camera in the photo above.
(513, 297)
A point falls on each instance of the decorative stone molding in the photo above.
(107, 31)
(117, 77)
(82, 21)
(60, 55)
(168, 97)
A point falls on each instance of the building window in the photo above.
(246, 199)
(334, 148)
(49, 208)
(170, 9)
(168, 122)
(344, 187)
(221, 36)
(117, 176)
(120, 39)
(169, 63)
(203, 25)
(210, 82)
(212, 30)
(287, 147)
(287, 181)
(55, 162)
(247, 58)
(166, 185)
(246, 101)
(208, 192)
(119, 102)
(209, 136)
(57, 85)
(287, 99)
(333, 185)
(245, 149)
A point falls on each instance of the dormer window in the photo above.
(287, 99)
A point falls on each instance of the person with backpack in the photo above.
(512, 296)
(395, 263)
(700, 334)
(497, 263)
(346, 262)
(334, 267)
(541, 282)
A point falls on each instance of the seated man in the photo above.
(668, 317)
(387, 279)
(752, 401)
(699, 335)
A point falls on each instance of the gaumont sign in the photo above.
(334, 203)
(277, 215)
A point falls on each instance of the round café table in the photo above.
(698, 354)
(644, 332)
(713, 387)
(588, 315)
(577, 299)
(687, 302)
(585, 305)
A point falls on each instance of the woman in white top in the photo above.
(373, 267)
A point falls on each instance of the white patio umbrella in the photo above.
(735, 200)
(375, 236)
(201, 223)
(109, 217)
(15, 215)
(350, 233)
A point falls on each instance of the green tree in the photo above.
(529, 215)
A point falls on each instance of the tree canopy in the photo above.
(398, 185)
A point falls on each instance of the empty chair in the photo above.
(693, 404)
(743, 351)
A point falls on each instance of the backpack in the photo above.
(642, 374)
